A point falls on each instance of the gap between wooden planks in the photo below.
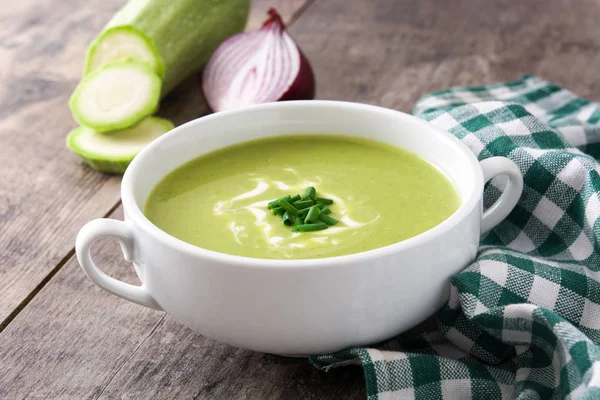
(46, 194)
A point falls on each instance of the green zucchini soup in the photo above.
(368, 195)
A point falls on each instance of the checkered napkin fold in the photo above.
(522, 321)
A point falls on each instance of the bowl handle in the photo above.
(492, 167)
(98, 229)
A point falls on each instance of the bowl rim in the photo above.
(135, 214)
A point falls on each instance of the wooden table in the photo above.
(61, 336)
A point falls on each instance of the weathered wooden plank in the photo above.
(390, 53)
(46, 195)
(82, 358)
(193, 367)
(75, 340)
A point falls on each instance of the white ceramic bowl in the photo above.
(300, 307)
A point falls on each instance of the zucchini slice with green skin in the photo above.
(123, 43)
(112, 152)
(116, 96)
(185, 32)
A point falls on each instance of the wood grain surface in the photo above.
(75, 341)
(64, 337)
(391, 53)
(46, 194)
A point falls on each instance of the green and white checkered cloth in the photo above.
(522, 321)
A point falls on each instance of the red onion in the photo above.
(257, 67)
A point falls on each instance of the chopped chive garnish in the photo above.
(289, 218)
(287, 206)
(327, 219)
(310, 227)
(278, 211)
(302, 204)
(302, 213)
(310, 192)
(323, 200)
(306, 212)
(313, 215)
(275, 203)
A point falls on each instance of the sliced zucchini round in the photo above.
(113, 151)
(116, 96)
(123, 43)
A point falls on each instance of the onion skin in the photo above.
(304, 86)
(257, 67)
